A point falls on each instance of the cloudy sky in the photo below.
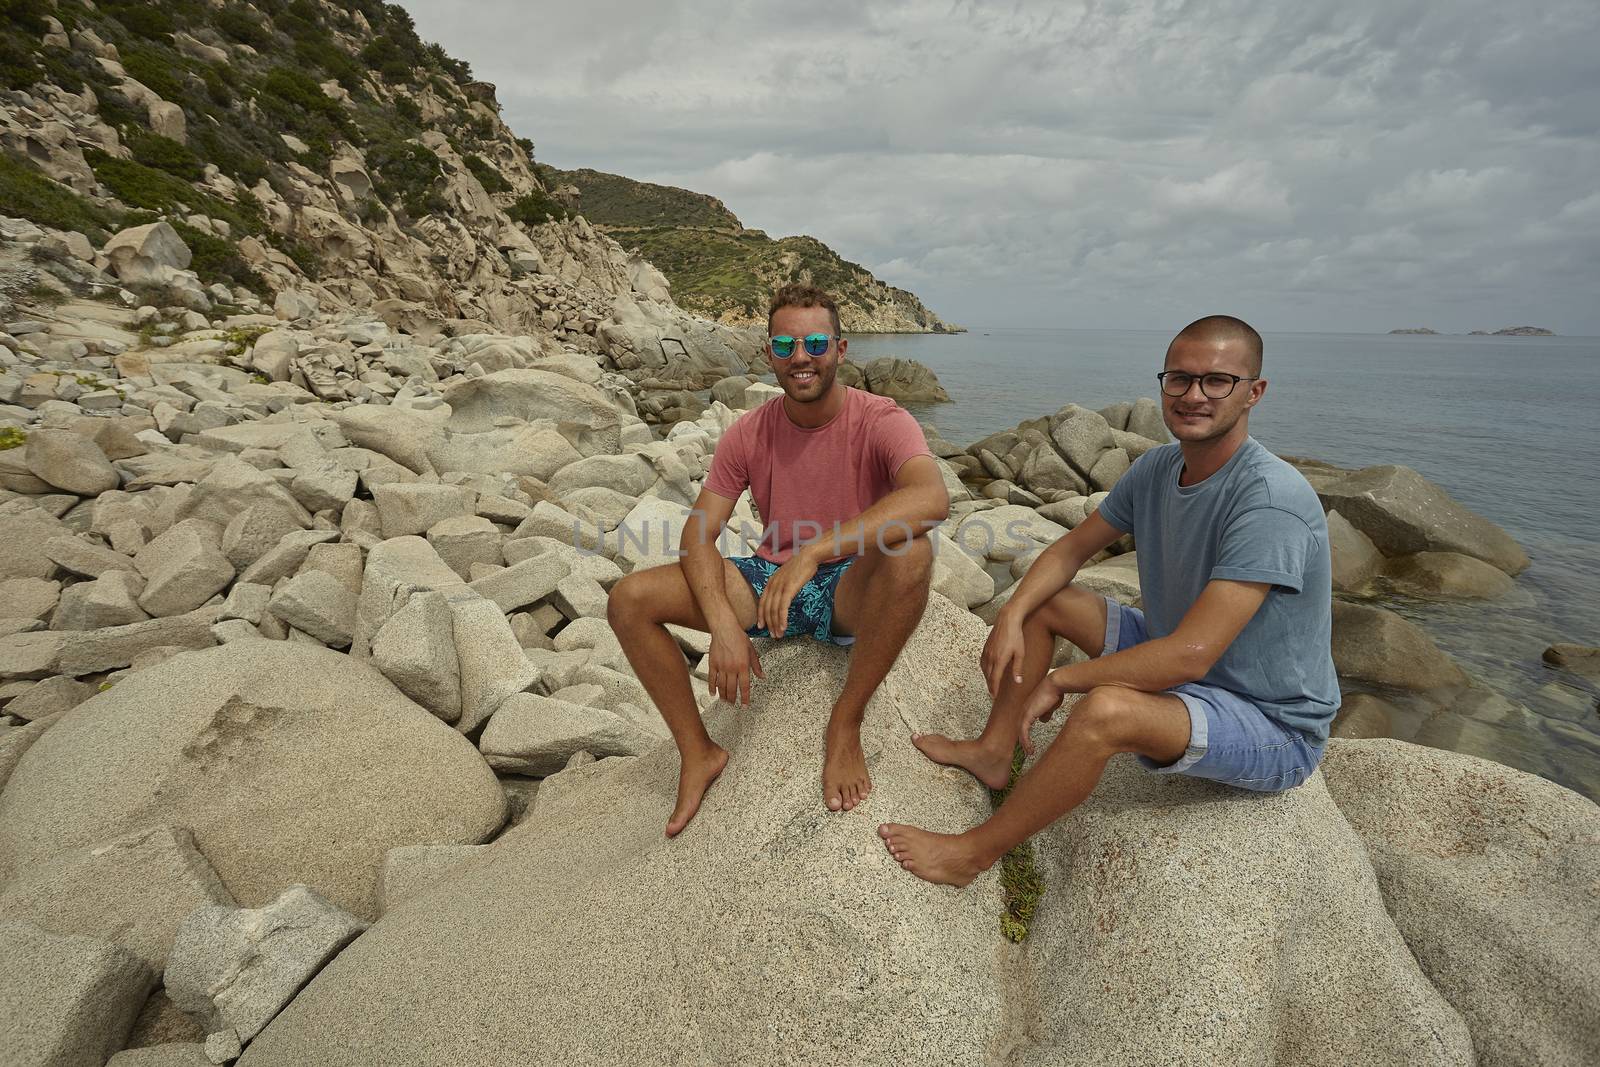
(1350, 165)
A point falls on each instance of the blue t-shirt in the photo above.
(1255, 520)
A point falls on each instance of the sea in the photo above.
(1507, 425)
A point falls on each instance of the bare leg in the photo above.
(639, 608)
(891, 591)
(1076, 614)
(1108, 720)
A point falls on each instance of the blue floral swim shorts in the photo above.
(811, 611)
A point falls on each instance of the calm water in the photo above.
(1506, 425)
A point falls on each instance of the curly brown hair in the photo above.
(803, 296)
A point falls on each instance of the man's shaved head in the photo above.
(1224, 330)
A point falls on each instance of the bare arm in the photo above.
(1057, 565)
(1217, 616)
(918, 503)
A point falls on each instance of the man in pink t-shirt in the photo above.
(847, 491)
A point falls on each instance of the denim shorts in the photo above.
(811, 610)
(1230, 739)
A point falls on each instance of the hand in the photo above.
(773, 610)
(1042, 704)
(1002, 654)
(733, 659)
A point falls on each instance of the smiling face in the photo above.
(1196, 418)
(804, 378)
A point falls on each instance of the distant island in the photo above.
(1509, 331)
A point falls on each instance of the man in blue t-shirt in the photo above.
(1227, 673)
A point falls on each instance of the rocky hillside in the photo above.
(325, 149)
(719, 268)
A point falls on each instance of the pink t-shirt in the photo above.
(804, 480)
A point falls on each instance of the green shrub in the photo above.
(155, 70)
(487, 176)
(458, 69)
(409, 112)
(300, 90)
(308, 262)
(29, 194)
(406, 173)
(533, 208)
(244, 28)
(217, 85)
(223, 146)
(115, 110)
(26, 16)
(157, 191)
(384, 56)
(526, 144)
(12, 437)
(217, 258)
(319, 52)
(18, 67)
(142, 19)
(138, 185)
(163, 153)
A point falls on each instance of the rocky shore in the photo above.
(324, 432)
(306, 671)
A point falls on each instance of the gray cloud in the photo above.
(1353, 165)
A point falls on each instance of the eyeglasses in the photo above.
(816, 344)
(1215, 385)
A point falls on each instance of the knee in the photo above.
(627, 602)
(1100, 718)
(909, 563)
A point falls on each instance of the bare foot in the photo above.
(845, 782)
(943, 858)
(991, 768)
(694, 778)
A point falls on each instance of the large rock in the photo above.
(1403, 513)
(70, 461)
(1356, 560)
(396, 569)
(407, 509)
(580, 412)
(736, 942)
(1133, 963)
(1491, 876)
(401, 434)
(1448, 575)
(1145, 420)
(489, 657)
(1082, 436)
(133, 891)
(536, 735)
(288, 762)
(235, 968)
(1583, 660)
(905, 380)
(183, 568)
(1374, 645)
(415, 649)
(1045, 471)
(1004, 533)
(66, 1001)
(25, 535)
(146, 253)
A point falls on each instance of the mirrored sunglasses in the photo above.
(816, 344)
